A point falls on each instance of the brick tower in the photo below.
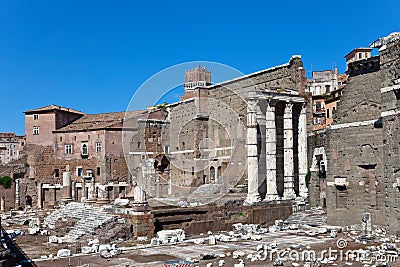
(195, 77)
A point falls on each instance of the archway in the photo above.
(212, 175)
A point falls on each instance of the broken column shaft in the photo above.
(66, 190)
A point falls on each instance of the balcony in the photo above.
(319, 111)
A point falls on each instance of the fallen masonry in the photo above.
(243, 245)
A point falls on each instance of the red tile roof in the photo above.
(89, 122)
(51, 108)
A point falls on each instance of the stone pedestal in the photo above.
(288, 165)
(140, 207)
(366, 223)
(103, 195)
(92, 196)
(270, 148)
(253, 195)
(66, 189)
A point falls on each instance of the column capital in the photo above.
(288, 107)
(271, 103)
(252, 105)
(252, 113)
(303, 107)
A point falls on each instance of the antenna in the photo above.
(311, 69)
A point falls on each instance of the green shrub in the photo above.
(5, 181)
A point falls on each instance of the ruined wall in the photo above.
(15, 170)
(216, 218)
(219, 114)
(355, 179)
(47, 163)
(390, 88)
(316, 155)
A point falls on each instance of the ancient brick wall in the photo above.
(316, 143)
(390, 68)
(355, 181)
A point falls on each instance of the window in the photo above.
(35, 117)
(327, 88)
(98, 147)
(341, 197)
(166, 149)
(56, 173)
(359, 55)
(79, 171)
(327, 113)
(318, 120)
(84, 149)
(98, 171)
(35, 130)
(60, 138)
(68, 149)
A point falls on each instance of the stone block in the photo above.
(63, 253)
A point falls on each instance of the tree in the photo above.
(5, 181)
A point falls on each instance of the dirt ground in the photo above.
(37, 246)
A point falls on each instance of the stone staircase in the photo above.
(88, 219)
(204, 193)
(313, 217)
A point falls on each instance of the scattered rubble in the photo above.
(369, 243)
(168, 236)
(121, 202)
(63, 253)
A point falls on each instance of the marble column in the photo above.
(302, 151)
(262, 155)
(17, 198)
(39, 195)
(252, 162)
(2, 203)
(288, 164)
(83, 193)
(66, 189)
(270, 147)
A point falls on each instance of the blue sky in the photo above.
(93, 55)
